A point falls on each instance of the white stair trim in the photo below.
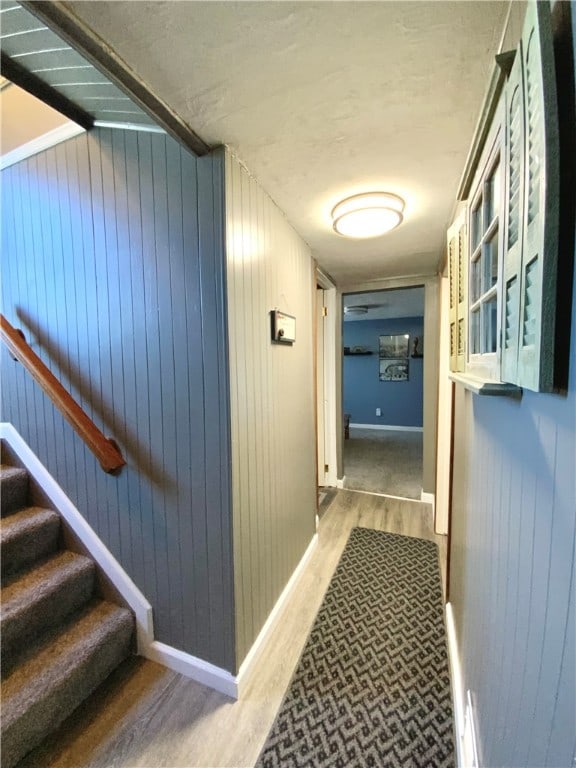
(47, 140)
(94, 545)
(193, 667)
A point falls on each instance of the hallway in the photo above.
(146, 715)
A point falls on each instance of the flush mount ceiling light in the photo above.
(368, 215)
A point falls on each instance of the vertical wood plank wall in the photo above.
(113, 266)
(513, 566)
(512, 573)
(271, 401)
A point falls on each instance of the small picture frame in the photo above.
(394, 369)
(394, 347)
(283, 327)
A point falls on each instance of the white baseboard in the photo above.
(340, 482)
(248, 665)
(429, 498)
(389, 427)
(47, 140)
(464, 729)
(193, 667)
(95, 546)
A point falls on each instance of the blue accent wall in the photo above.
(401, 401)
(113, 266)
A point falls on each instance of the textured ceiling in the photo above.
(325, 99)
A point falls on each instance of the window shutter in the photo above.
(539, 250)
(513, 233)
(458, 273)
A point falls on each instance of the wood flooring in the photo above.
(148, 717)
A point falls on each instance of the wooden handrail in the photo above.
(105, 449)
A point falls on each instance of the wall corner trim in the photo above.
(249, 665)
(457, 688)
(47, 140)
(340, 482)
(429, 498)
(94, 545)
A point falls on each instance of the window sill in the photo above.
(485, 386)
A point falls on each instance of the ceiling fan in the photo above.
(362, 309)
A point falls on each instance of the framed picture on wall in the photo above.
(393, 369)
(394, 347)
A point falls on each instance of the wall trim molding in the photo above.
(47, 140)
(389, 427)
(340, 482)
(330, 429)
(387, 496)
(429, 498)
(457, 687)
(249, 664)
(193, 667)
(93, 544)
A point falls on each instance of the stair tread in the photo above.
(14, 482)
(25, 520)
(46, 670)
(36, 584)
(7, 471)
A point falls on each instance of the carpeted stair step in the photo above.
(13, 489)
(26, 537)
(44, 597)
(44, 690)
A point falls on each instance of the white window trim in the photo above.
(486, 366)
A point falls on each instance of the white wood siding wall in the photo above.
(271, 401)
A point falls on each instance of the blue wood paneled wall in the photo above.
(113, 265)
(513, 568)
(401, 402)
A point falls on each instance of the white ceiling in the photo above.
(321, 100)
(397, 302)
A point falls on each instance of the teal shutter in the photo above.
(458, 273)
(513, 213)
(531, 254)
(541, 203)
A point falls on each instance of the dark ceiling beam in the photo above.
(20, 76)
(61, 20)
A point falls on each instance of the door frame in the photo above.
(330, 358)
(431, 342)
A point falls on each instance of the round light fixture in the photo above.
(368, 215)
(357, 309)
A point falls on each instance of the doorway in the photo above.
(383, 391)
(325, 365)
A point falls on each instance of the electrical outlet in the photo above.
(378, 411)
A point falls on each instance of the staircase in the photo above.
(60, 640)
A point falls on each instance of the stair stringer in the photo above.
(110, 568)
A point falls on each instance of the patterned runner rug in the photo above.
(372, 686)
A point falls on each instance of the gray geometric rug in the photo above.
(372, 686)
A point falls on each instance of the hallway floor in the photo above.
(384, 461)
(147, 716)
